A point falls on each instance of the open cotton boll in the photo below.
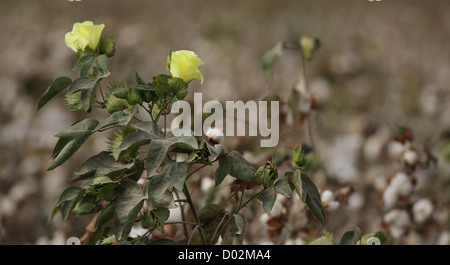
(206, 184)
(422, 210)
(398, 220)
(215, 134)
(410, 157)
(400, 186)
(326, 196)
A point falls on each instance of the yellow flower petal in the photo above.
(184, 64)
(84, 35)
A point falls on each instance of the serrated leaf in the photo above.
(121, 118)
(268, 197)
(282, 187)
(130, 200)
(268, 60)
(87, 205)
(312, 199)
(159, 148)
(350, 237)
(102, 164)
(54, 89)
(71, 140)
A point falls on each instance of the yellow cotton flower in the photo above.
(184, 64)
(84, 35)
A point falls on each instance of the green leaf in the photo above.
(139, 80)
(223, 170)
(106, 214)
(240, 223)
(295, 181)
(210, 217)
(159, 148)
(350, 237)
(173, 173)
(102, 164)
(68, 195)
(57, 86)
(85, 60)
(121, 118)
(130, 200)
(268, 197)
(234, 164)
(282, 187)
(68, 199)
(71, 140)
(312, 199)
(146, 131)
(238, 230)
(166, 200)
(268, 61)
(82, 83)
(155, 218)
(87, 205)
(240, 168)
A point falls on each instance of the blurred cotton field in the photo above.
(380, 82)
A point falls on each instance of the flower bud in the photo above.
(299, 159)
(266, 175)
(309, 46)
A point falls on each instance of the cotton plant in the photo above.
(132, 188)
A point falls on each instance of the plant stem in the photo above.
(194, 212)
(183, 217)
(232, 216)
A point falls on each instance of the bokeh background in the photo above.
(380, 65)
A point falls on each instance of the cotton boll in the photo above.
(206, 184)
(333, 206)
(263, 218)
(215, 134)
(326, 196)
(410, 157)
(355, 201)
(395, 149)
(422, 210)
(400, 186)
(398, 221)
